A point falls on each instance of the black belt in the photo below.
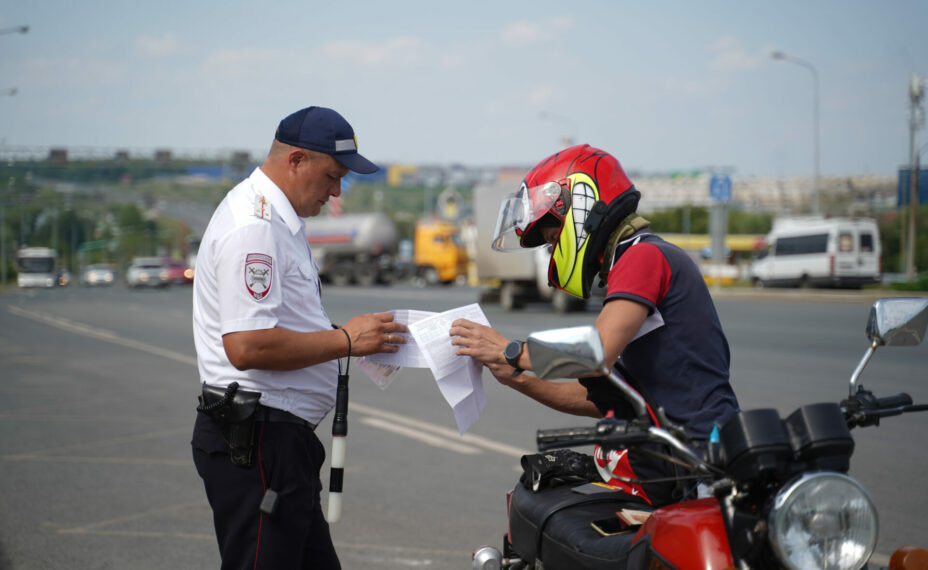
(266, 414)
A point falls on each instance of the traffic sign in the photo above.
(720, 188)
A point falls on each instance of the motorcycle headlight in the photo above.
(823, 520)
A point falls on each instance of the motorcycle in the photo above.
(764, 492)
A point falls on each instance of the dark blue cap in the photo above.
(324, 130)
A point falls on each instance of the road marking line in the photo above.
(135, 516)
(144, 534)
(429, 439)
(25, 415)
(101, 334)
(452, 436)
(97, 460)
(396, 549)
(106, 442)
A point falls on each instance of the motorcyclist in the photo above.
(658, 321)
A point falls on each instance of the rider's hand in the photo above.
(478, 341)
(504, 374)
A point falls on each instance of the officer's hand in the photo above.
(478, 341)
(373, 333)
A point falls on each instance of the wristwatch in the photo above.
(512, 353)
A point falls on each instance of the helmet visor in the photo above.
(517, 225)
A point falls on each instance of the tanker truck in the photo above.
(355, 248)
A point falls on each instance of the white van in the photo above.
(823, 252)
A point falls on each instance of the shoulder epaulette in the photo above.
(262, 208)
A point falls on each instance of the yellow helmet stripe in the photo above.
(568, 254)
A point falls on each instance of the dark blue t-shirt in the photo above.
(682, 362)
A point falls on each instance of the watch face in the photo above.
(513, 349)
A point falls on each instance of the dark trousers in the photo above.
(286, 458)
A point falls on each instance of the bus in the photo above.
(38, 267)
(823, 252)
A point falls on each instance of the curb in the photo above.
(809, 295)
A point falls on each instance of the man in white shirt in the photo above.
(267, 352)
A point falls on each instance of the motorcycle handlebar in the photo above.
(568, 437)
(564, 437)
(867, 410)
(896, 401)
(620, 433)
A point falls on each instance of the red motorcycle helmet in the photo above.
(584, 192)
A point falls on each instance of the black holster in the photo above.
(234, 411)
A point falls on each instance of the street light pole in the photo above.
(3, 233)
(916, 92)
(780, 56)
(10, 91)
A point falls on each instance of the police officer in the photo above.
(267, 352)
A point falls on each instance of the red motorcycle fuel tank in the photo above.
(689, 535)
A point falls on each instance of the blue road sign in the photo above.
(720, 188)
(904, 186)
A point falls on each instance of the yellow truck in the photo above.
(438, 252)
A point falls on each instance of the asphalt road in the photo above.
(97, 398)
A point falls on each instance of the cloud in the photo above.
(684, 88)
(731, 56)
(240, 62)
(70, 72)
(165, 45)
(542, 96)
(394, 51)
(526, 32)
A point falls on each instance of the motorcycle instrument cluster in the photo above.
(813, 437)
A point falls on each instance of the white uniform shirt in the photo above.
(255, 271)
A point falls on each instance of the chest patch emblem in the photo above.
(258, 275)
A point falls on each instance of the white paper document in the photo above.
(654, 321)
(382, 367)
(428, 345)
(409, 354)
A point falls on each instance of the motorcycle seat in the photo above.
(553, 525)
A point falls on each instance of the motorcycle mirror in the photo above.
(898, 322)
(566, 353)
(893, 322)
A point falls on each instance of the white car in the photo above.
(147, 272)
(98, 275)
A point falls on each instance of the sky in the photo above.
(663, 85)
